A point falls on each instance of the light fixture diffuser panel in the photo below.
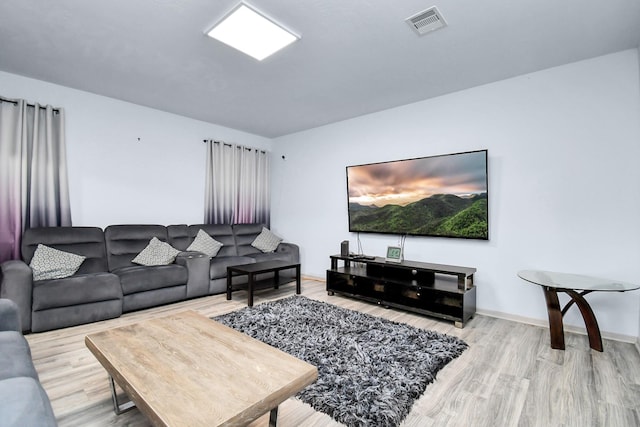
(251, 33)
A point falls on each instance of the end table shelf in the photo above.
(443, 291)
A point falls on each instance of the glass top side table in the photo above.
(576, 286)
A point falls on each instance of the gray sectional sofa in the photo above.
(23, 401)
(108, 283)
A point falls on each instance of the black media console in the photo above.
(444, 291)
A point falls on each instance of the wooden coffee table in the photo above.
(252, 270)
(186, 369)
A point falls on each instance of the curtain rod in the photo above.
(57, 110)
(231, 145)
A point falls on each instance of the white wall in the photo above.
(113, 177)
(563, 144)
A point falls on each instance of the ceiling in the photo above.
(355, 56)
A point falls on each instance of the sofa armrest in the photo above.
(17, 285)
(9, 316)
(291, 249)
(197, 265)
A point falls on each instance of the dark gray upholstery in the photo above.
(17, 285)
(15, 356)
(181, 236)
(197, 265)
(245, 235)
(85, 241)
(23, 401)
(75, 290)
(219, 265)
(89, 295)
(143, 286)
(236, 249)
(124, 242)
(138, 278)
(63, 317)
(108, 283)
(141, 300)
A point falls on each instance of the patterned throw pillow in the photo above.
(266, 241)
(205, 244)
(156, 253)
(49, 263)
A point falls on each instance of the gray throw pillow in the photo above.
(50, 263)
(205, 244)
(266, 241)
(156, 253)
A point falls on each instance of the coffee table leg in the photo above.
(556, 328)
(118, 407)
(276, 279)
(229, 280)
(250, 290)
(298, 290)
(273, 417)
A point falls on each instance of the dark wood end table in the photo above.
(252, 270)
(576, 286)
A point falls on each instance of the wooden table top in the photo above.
(186, 369)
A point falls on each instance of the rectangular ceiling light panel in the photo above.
(251, 33)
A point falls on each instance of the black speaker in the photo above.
(344, 248)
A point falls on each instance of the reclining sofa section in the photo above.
(108, 283)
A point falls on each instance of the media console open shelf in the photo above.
(444, 291)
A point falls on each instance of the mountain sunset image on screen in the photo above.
(430, 196)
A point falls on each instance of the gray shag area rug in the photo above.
(370, 370)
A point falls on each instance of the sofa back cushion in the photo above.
(181, 236)
(85, 241)
(245, 234)
(125, 242)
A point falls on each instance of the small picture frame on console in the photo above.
(394, 254)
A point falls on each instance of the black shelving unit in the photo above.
(444, 291)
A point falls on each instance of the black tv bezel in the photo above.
(486, 151)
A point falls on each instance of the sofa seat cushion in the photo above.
(75, 290)
(219, 265)
(24, 403)
(15, 356)
(141, 278)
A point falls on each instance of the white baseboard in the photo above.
(569, 328)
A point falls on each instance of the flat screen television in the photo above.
(444, 196)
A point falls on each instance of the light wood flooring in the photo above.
(509, 376)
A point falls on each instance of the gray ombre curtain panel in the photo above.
(34, 191)
(237, 187)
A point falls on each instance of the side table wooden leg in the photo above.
(556, 328)
(593, 330)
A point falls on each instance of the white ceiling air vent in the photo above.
(426, 21)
